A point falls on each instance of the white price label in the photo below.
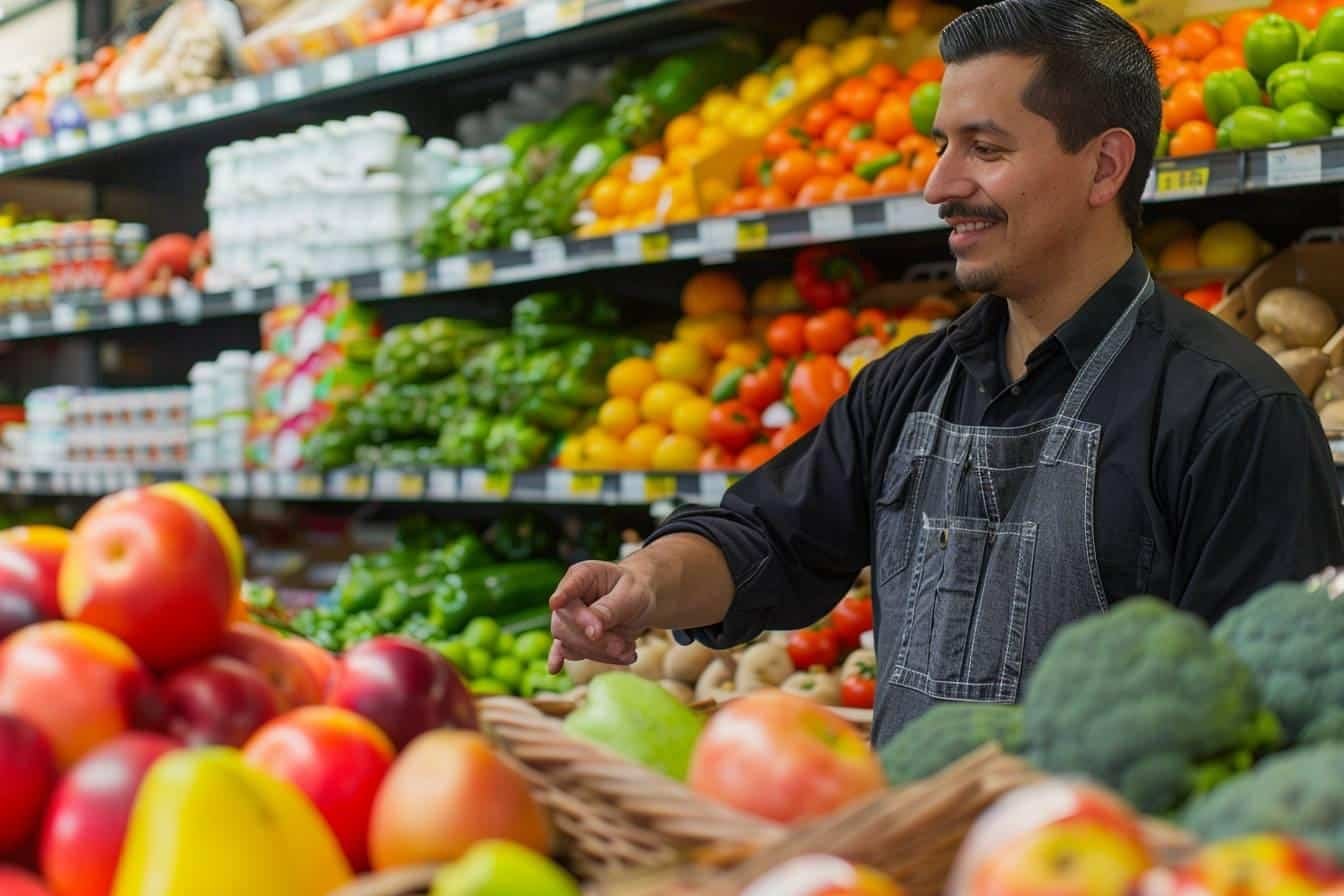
(27, 482)
(150, 309)
(338, 70)
(442, 485)
(101, 133)
(263, 484)
(62, 318)
(631, 5)
(70, 143)
(186, 301)
(287, 294)
(451, 272)
(4, 160)
(394, 55)
(121, 314)
(398, 485)
(287, 485)
(549, 255)
(33, 151)
(563, 485)
(237, 485)
(1294, 165)
(426, 45)
(131, 125)
(4, 480)
(911, 213)
(712, 487)
(201, 106)
(629, 249)
(718, 235)
(19, 324)
(245, 96)
(288, 84)
(244, 299)
(832, 222)
(458, 40)
(161, 116)
(541, 17)
(353, 484)
(390, 283)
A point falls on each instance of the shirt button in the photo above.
(1016, 390)
(942, 539)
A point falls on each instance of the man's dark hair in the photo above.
(1095, 73)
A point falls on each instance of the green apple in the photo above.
(502, 868)
(640, 720)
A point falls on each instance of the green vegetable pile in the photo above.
(945, 734)
(554, 163)
(460, 394)
(496, 660)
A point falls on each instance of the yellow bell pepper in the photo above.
(207, 824)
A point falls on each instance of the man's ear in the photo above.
(1114, 158)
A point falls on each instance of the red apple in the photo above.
(149, 569)
(286, 672)
(1255, 865)
(403, 687)
(77, 685)
(218, 701)
(28, 770)
(86, 823)
(782, 757)
(447, 791)
(45, 546)
(22, 598)
(1056, 837)
(337, 759)
(320, 662)
(17, 882)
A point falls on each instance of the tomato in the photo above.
(838, 131)
(829, 331)
(773, 198)
(792, 170)
(754, 455)
(784, 336)
(859, 97)
(746, 199)
(762, 388)
(851, 618)
(851, 186)
(780, 140)
(733, 425)
(752, 167)
(858, 692)
(787, 435)
(817, 191)
(819, 117)
(829, 162)
(871, 322)
(815, 385)
(892, 181)
(716, 457)
(893, 120)
(813, 647)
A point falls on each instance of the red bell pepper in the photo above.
(831, 277)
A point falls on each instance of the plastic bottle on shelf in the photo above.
(203, 376)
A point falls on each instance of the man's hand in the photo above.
(597, 612)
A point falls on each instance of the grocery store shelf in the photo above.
(365, 484)
(483, 38)
(552, 257)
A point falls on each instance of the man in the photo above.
(1076, 437)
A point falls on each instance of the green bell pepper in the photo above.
(547, 410)
(924, 106)
(1270, 42)
(1251, 127)
(1303, 121)
(1227, 91)
(1330, 32)
(450, 608)
(466, 552)
(1325, 80)
(577, 389)
(462, 439)
(521, 536)
(514, 444)
(1288, 85)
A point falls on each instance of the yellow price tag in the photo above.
(145, 478)
(499, 485)
(81, 321)
(568, 12)
(657, 488)
(309, 485)
(356, 485)
(480, 271)
(752, 235)
(487, 35)
(414, 282)
(340, 289)
(214, 483)
(654, 246)
(585, 485)
(1192, 181)
(411, 485)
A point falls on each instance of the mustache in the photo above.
(963, 210)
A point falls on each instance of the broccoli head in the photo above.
(1144, 700)
(1299, 793)
(945, 734)
(1292, 638)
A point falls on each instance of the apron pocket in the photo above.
(895, 518)
(966, 621)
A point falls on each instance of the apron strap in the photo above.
(1092, 373)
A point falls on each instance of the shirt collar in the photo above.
(977, 334)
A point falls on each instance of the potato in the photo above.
(1331, 388)
(1271, 344)
(1332, 416)
(1298, 317)
(1307, 366)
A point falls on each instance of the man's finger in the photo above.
(614, 648)
(574, 585)
(555, 663)
(615, 610)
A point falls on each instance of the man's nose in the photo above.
(946, 182)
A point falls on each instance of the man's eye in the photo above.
(985, 151)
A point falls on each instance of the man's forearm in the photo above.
(688, 577)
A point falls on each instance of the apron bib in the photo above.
(985, 547)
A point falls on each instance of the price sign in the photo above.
(121, 314)
(69, 143)
(338, 70)
(394, 55)
(1180, 181)
(161, 117)
(451, 273)
(1294, 165)
(237, 485)
(551, 15)
(485, 36)
(482, 486)
(654, 246)
(263, 484)
(244, 300)
(27, 482)
(245, 95)
(150, 309)
(562, 485)
(19, 324)
(480, 271)
(352, 484)
(549, 255)
(414, 283)
(101, 133)
(286, 485)
(627, 246)
(4, 480)
(427, 45)
(287, 84)
(712, 487)
(831, 222)
(201, 106)
(659, 488)
(718, 235)
(186, 302)
(752, 235)
(33, 151)
(910, 214)
(309, 485)
(287, 294)
(458, 40)
(131, 126)
(398, 485)
(62, 318)
(442, 485)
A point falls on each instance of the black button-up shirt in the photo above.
(1214, 476)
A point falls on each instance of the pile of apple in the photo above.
(123, 642)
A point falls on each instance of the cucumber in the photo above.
(509, 588)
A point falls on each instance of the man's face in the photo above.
(1011, 194)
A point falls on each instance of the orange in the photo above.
(1160, 47)
(891, 181)
(773, 198)
(903, 15)
(859, 97)
(930, 68)
(851, 186)
(606, 196)
(691, 417)
(1186, 103)
(677, 452)
(921, 169)
(640, 445)
(838, 131)
(1305, 12)
(1237, 24)
(780, 140)
(792, 170)
(631, 377)
(638, 197)
(745, 199)
(1196, 39)
(744, 352)
(618, 416)
(683, 130)
(604, 452)
(713, 292)
(884, 75)
(893, 121)
(1180, 255)
(817, 190)
(682, 362)
(712, 332)
(1193, 138)
(1172, 70)
(1221, 59)
(661, 399)
(819, 117)
(829, 162)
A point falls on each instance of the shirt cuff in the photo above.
(747, 553)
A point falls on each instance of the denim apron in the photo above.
(985, 547)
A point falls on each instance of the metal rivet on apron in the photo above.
(1017, 390)
(942, 538)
